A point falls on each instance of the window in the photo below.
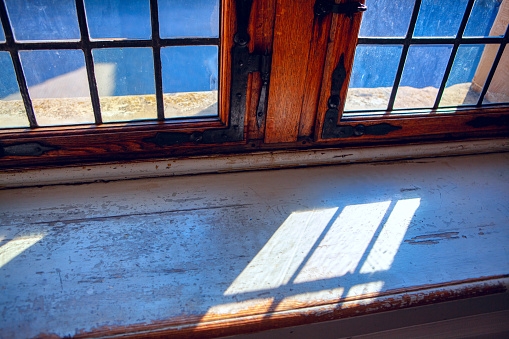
(281, 80)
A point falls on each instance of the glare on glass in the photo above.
(373, 73)
(422, 76)
(116, 19)
(440, 18)
(498, 92)
(380, 19)
(198, 18)
(43, 19)
(58, 86)
(12, 110)
(468, 74)
(485, 19)
(190, 80)
(125, 81)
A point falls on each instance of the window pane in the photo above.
(190, 76)
(12, 110)
(422, 76)
(198, 18)
(125, 80)
(57, 83)
(43, 19)
(440, 18)
(374, 70)
(468, 75)
(120, 19)
(482, 19)
(379, 20)
(498, 92)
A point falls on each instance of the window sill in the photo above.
(214, 255)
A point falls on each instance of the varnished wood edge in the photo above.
(193, 327)
(191, 165)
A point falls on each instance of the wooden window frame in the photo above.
(305, 51)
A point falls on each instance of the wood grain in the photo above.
(292, 36)
(343, 41)
(313, 82)
(261, 30)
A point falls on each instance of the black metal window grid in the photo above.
(409, 40)
(87, 45)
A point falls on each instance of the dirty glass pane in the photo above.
(190, 80)
(198, 18)
(440, 18)
(380, 19)
(118, 19)
(498, 92)
(125, 81)
(482, 19)
(12, 110)
(422, 76)
(468, 74)
(374, 70)
(57, 83)
(43, 19)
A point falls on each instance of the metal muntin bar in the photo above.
(404, 53)
(89, 61)
(18, 69)
(28, 46)
(493, 67)
(156, 49)
(431, 41)
(450, 63)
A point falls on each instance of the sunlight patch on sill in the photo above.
(17, 246)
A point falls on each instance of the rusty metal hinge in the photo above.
(331, 130)
(30, 149)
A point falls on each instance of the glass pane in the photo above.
(468, 74)
(12, 110)
(374, 70)
(498, 91)
(198, 18)
(483, 17)
(57, 83)
(379, 20)
(43, 19)
(440, 18)
(125, 80)
(422, 76)
(118, 19)
(190, 80)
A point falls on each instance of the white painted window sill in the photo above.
(229, 253)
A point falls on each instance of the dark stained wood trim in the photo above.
(96, 145)
(262, 317)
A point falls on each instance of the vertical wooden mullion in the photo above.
(342, 41)
(292, 36)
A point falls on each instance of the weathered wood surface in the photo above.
(267, 246)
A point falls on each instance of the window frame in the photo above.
(296, 106)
